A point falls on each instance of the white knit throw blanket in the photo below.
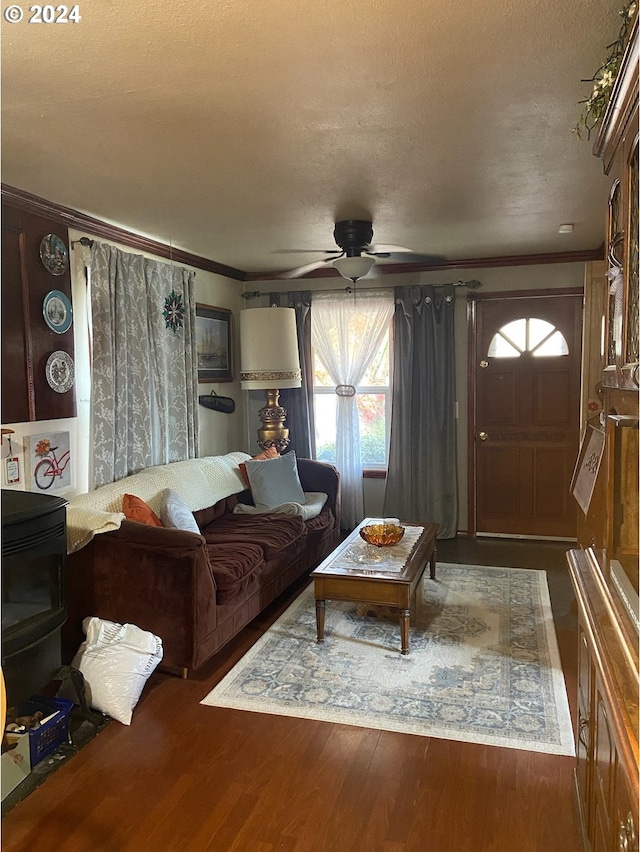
(200, 483)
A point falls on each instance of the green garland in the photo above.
(605, 77)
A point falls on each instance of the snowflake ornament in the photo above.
(174, 311)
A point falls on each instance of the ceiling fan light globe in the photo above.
(353, 268)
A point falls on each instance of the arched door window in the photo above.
(528, 334)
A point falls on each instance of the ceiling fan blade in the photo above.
(413, 257)
(385, 248)
(309, 267)
(303, 251)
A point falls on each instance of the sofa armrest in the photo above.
(156, 578)
(173, 542)
(321, 476)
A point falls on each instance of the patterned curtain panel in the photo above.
(144, 378)
(422, 475)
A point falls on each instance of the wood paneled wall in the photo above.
(27, 340)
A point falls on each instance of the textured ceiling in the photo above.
(237, 129)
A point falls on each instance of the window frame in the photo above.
(528, 349)
(377, 468)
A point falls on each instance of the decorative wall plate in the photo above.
(60, 371)
(57, 311)
(54, 254)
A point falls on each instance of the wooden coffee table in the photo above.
(365, 583)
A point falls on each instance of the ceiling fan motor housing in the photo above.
(353, 235)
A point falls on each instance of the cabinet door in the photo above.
(584, 745)
(631, 319)
(624, 815)
(616, 221)
(603, 774)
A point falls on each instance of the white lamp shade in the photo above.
(269, 349)
(353, 268)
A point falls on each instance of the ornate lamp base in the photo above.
(272, 416)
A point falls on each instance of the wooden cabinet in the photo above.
(617, 146)
(607, 714)
(604, 568)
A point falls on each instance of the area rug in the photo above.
(483, 665)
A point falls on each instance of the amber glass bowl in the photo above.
(382, 535)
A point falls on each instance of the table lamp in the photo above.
(269, 361)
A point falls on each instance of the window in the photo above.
(535, 336)
(373, 402)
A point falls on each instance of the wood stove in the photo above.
(34, 554)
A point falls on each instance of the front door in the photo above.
(525, 412)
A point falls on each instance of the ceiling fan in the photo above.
(358, 254)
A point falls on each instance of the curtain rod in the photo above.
(84, 241)
(255, 294)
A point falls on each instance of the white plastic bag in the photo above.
(116, 661)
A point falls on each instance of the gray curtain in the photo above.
(299, 401)
(422, 477)
(144, 379)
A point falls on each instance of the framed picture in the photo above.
(47, 461)
(214, 343)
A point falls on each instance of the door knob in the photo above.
(483, 436)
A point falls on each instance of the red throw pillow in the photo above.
(270, 453)
(136, 509)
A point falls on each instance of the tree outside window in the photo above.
(373, 402)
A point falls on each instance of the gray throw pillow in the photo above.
(175, 513)
(275, 481)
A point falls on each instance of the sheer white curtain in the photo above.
(346, 332)
(144, 392)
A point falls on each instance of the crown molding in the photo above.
(82, 222)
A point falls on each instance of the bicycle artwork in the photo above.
(50, 461)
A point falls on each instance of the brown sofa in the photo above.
(194, 591)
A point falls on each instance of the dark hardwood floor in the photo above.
(188, 777)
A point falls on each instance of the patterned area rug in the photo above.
(483, 664)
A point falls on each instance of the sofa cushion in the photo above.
(135, 509)
(273, 533)
(275, 481)
(269, 453)
(321, 522)
(234, 565)
(204, 517)
(175, 514)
